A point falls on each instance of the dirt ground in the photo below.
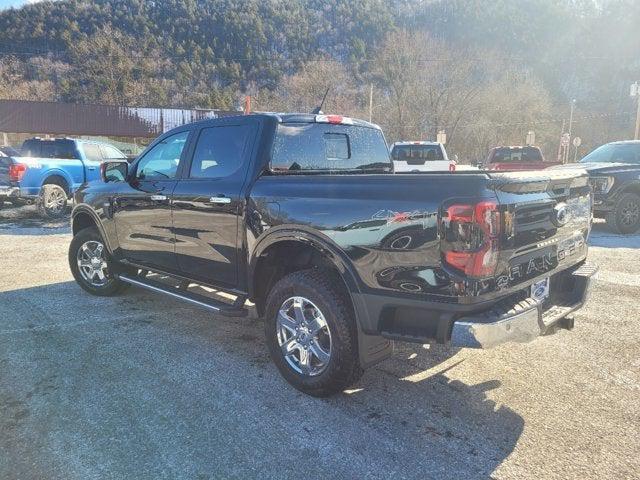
(141, 386)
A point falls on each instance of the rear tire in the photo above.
(625, 218)
(92, 266)
(52, 202)
(306, 313)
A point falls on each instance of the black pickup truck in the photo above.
(614, 172)
(303, 216)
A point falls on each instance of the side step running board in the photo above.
(223, 308)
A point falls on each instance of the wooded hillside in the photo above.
(485, 72)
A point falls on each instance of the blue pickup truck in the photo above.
(47, 172)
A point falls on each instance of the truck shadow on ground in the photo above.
(26, 220)
(407, 414)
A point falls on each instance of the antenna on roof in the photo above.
(318, 110)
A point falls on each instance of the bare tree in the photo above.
(17, 84)
(304, 90)
(429, 85)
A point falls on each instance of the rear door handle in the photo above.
(158, 198)
(222, 200)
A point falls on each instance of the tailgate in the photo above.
(546, 222)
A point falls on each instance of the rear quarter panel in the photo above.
(40, 169)
(385, 225)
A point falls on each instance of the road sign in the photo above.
(633, 91)
(564, 140)
(441, 137)
(577, 141)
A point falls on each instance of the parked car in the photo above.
(517, 158)
(420, 157)
(49, 171)
(614, 171)
(303, 215)
(6, 153)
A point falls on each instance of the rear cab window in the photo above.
(322, 147)
(59, 148)
(526, 155)
(417, 153)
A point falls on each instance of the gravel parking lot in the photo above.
(140, 386)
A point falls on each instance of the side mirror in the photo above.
(114, 171)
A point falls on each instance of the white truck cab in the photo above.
(420, 157)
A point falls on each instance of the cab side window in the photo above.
(221, 151)
(92, 152)
(110, 153)
(161, 162)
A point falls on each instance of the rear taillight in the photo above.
(17, 171)
(470, 236)
(452, 167)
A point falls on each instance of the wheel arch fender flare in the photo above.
(372, 348)
(312, 238)
(80, 214)
(58, 173)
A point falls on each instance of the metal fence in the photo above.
(19, 116)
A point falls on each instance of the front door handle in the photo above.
(158, 198)
(223, 200)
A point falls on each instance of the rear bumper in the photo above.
(527, 319)
(9, 192)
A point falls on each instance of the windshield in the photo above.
(527, 154)
(424, 153)
(615, 153)
(325, 147)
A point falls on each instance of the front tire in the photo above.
(311, 334)
(91, 264)
(52, 202)
(625, 218)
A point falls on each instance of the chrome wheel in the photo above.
(304, 336)
(55, 201)
(92, 263)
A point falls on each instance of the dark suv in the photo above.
(614, 171)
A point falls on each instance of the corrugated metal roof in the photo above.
(19, 116)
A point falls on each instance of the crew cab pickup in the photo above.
(517, 158)
(303, 216)
(48, 171)
(614, 172)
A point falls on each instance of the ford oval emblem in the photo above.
(560, 214)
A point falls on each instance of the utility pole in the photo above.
(566, 152)
(635, 93)
(370, 102)
(560, 152)
(637, 134)
(573, 106)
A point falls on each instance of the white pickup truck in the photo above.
(420, 157)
